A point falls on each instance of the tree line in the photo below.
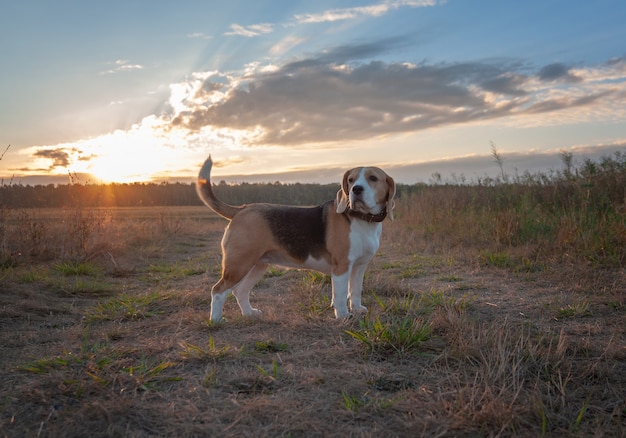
(158, 194)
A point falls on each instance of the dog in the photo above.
(338, 237)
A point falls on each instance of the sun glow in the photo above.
(149, 151)
(122, 167)
(136, 155)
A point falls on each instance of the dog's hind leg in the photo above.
(242, 290)
(219, 293)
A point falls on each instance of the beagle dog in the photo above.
(338, 237)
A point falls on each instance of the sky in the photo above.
(285, 90)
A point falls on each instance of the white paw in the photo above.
(342, 314)
(255, 313)
(359, 310)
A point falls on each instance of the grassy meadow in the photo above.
(495, 309)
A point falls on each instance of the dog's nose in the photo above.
(357, 190)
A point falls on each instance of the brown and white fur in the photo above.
(339, 238)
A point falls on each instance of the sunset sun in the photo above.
(127, 156)
(120, 169)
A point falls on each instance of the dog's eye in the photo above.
(351, 180)
(373, 178)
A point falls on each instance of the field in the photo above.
(471, 331)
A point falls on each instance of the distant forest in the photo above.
(164, 194)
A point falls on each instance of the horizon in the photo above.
(304, 90)
(468, 170)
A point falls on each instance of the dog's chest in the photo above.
(364, 239)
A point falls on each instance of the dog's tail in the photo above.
(205, 191)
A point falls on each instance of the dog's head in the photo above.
(368, 190)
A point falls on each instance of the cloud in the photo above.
(329, 16)
(59, 157)
(557, 72)
(250, 31)
(515, 164)
(346, 53)
(376, 10)
(508, 83)
(341, 14)
(458, 169)
(62, 156)
(199, 35)
(332, 98)
(229, 161)
(566, 102)
(122, 65)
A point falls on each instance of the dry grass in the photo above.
(117, 342)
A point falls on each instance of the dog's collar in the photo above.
(367, 217)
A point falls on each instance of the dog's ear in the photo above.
(343, 199)
(391, 193)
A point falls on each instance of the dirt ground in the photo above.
(129, 351)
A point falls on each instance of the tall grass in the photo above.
(578, 213)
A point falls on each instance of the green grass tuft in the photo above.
(126, 307)
(78, 268)
(395, 336)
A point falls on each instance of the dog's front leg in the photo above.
(340, 294)
(356, 287)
